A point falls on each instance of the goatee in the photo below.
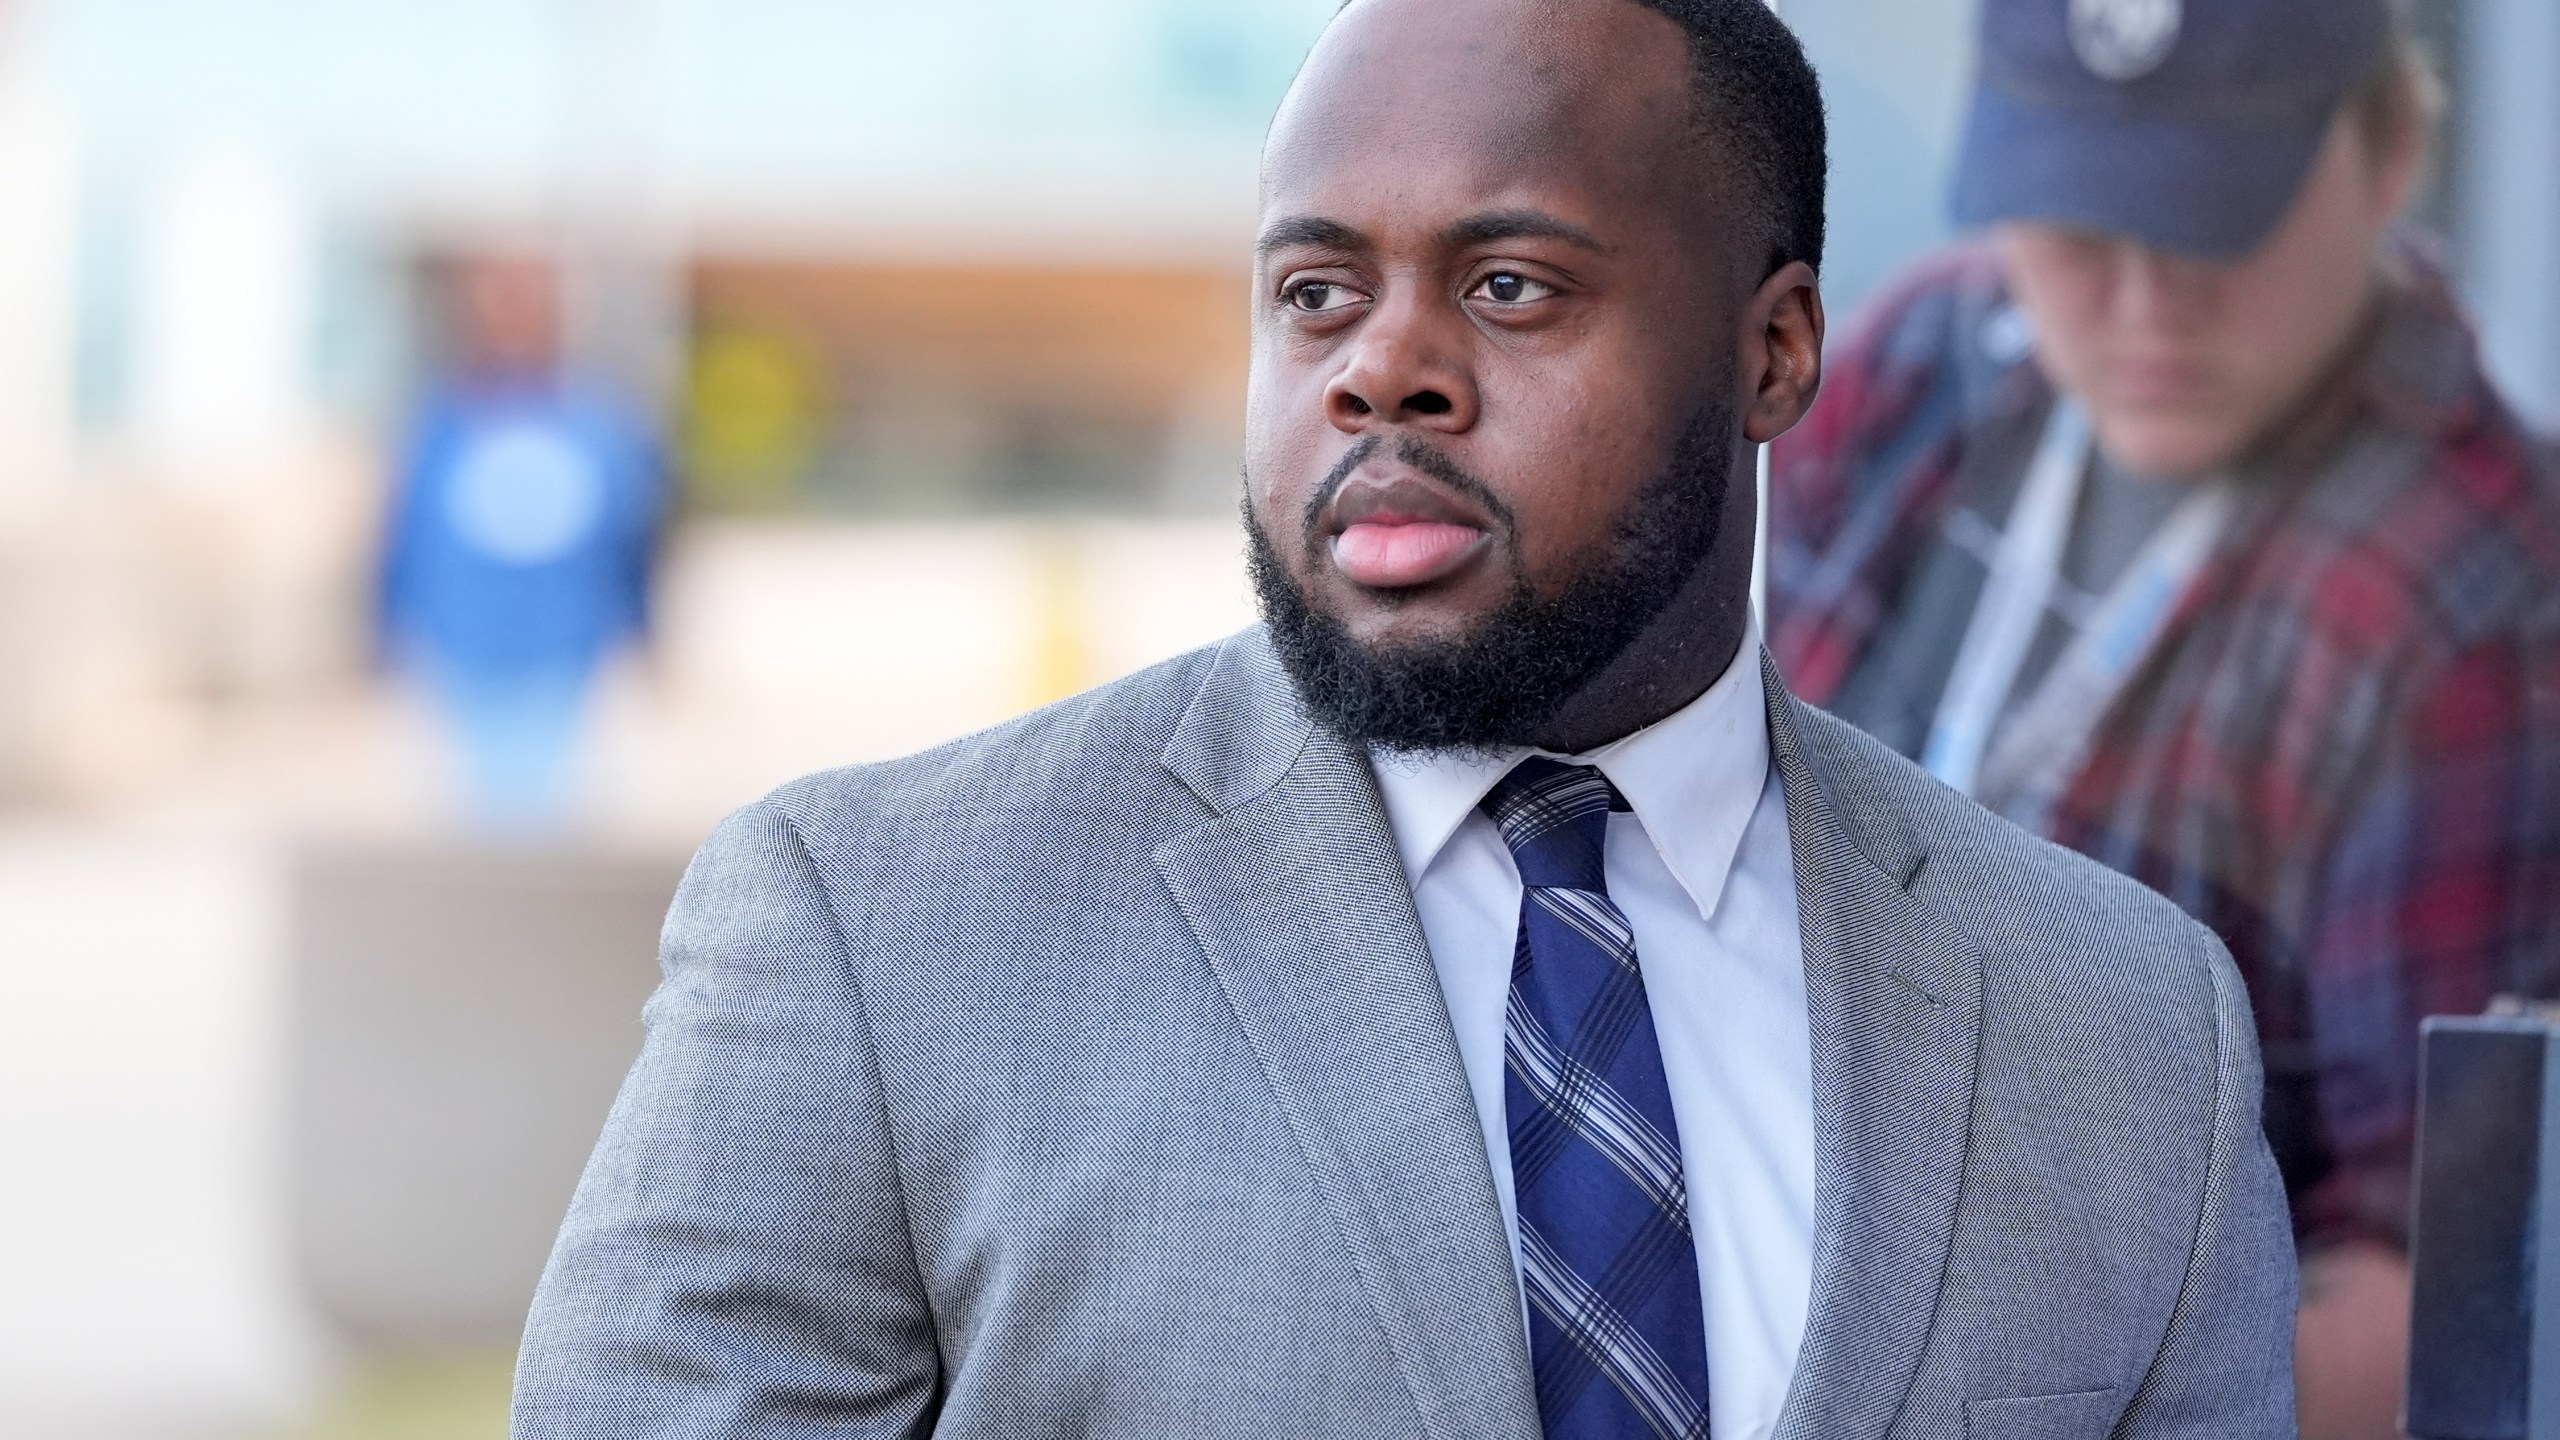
(1493, 688)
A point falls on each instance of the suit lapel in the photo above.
(1894, 995)
(1297, 898)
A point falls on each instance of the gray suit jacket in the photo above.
(1090, 1077)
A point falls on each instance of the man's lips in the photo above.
(1388, 555)
(2159, 381)
(1399, 533)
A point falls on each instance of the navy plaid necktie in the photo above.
(1615, 1335)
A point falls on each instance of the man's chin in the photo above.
(1417, 617)
(2170, 447)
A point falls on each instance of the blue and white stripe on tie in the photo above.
(1605, 1254)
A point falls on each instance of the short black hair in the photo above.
(1757, 95)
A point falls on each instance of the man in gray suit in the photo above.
(1478, 1001)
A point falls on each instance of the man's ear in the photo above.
(1781, 355)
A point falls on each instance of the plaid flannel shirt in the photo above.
(2344, 753)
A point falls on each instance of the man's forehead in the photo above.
(1481, 95)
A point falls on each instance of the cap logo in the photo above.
(2125, 39)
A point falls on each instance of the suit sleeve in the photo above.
(737, 1261)
(2225, 1369)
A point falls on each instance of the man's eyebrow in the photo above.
(1317, 231)
(1312, 230)
(1518, 224)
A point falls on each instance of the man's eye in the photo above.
(1506, 288)
(1318, 296)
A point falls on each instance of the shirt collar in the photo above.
(1693, 779)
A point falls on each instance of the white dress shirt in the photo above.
(1703, 871)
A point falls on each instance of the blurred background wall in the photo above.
(935, 319)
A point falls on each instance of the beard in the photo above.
(1493, 688)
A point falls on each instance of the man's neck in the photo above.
(1673, 660)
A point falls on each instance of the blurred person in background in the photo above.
(2176, 520)
(518, 550)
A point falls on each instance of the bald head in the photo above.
(1514, 80)
(1524, 307)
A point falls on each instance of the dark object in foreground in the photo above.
(2480, 1367)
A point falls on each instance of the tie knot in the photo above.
(1555, 818)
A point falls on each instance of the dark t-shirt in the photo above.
(2118, 513)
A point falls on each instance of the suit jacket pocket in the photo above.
(2080, 1415)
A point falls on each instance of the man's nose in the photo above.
(1405, 366)
(2161, 289)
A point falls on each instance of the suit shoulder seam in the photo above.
(847, 950)
(2220, 1164)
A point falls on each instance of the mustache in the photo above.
(1414, 454)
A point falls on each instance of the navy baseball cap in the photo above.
(2188, 125)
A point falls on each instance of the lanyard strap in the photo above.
(2014, 597)
(2044, 746)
